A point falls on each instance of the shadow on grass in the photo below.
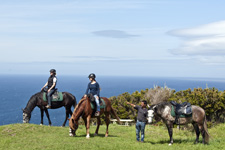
(93, 135)
(176, 141)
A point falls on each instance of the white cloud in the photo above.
(205, 40)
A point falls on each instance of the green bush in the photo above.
(210, 99)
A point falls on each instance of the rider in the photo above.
(52, 80)
(94, 88)
(141, 119)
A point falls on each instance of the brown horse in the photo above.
(84, 110)
(198, 120)
(37, 100)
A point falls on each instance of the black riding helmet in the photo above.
(52, 71)
(92, 75)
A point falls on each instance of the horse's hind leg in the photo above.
(49, 121)
(67, 116)
(170, 131)
(42, 115)
(201, 128)
(98, 124)
(107, 121)
(195, 125)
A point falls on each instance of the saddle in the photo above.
(56, 96)
(94, 105)
(183, 110)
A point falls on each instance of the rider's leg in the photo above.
(50, 97)
(97, 102)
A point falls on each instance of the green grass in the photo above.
(30, 136)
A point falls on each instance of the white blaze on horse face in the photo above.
(24, 118)
(150, 115)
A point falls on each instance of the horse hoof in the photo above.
(71, 135)
(96, 134)
(88, 136)
(170, 144)
(41, 124)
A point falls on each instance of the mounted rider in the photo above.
(52, 80)
(94, 88)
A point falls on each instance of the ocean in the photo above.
(16, 90)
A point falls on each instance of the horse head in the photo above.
(26, 116)
(151, 113)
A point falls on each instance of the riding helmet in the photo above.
(92, 75)
(53, 71)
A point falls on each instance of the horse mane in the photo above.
(78, 105)
(31, 103)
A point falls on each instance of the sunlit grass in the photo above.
(30, 136)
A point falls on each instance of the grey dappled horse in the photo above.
(198, 120)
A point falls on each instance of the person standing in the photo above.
(94, 88)
(141, 119)
(52, 80)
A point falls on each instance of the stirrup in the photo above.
(97, 113)
(48, 106)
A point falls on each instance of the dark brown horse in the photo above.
(37, 100)
(198, 120)
(84, 110)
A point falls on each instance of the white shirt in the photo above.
(54, 80)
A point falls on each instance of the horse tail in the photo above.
(115, 115)
(206, 130)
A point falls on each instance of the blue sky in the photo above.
(166, 38)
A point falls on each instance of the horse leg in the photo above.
(67, 116)
(197, 132)
(42, 115)
(98, 124)
(85, 121)
(88, 126)
(201, 128)
(49, 121)
(107, 121)
(170, 131)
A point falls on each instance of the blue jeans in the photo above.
(140, 126)
(49, 95)
(97, 102)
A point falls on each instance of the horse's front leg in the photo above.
(170, 131)
(88, 126)
(49, 121)
(42, 115)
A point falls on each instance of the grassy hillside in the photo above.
(30, 136)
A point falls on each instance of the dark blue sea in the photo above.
(16, 90)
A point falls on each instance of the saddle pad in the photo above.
(102, 105)
(181, 116)
(59, 97)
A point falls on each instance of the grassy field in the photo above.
(30, 136)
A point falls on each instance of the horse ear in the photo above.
(68, 119)
(154, 107)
